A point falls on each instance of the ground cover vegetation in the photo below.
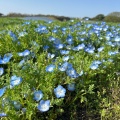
(59, 70)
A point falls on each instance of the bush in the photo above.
(112, 19)
(99, 17)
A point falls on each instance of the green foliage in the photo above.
(99, 17)
(111, 18)
(96, 91)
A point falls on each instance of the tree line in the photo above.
(112, 17)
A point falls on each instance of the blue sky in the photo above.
(71, 8)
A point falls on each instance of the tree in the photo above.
(117, 14)
(99, 17)
(112, 19)
(1, 14)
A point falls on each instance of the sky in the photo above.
(70, 8)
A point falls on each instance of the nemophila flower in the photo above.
(90, 49)
(56, 41)
(44, 105)
(59, 91)
(71, 72)
(82, 39)
(6, 58)
(95, 64)
(58, 46)
(110, 43)
(81, 73)
(54, 30)
(64, 52)
(2, 114)
(24, 53)
(71, 86)
(117, 39)
(65, 58)
(15, 81)
(100, 49)
(50, 68)
(46, 47)
(112, 53)
(1, 71)
(21, 62)
(21, 34)
(69, 39)
(17, 105)
(68, 47)
(12, 35)
(51, 38)
(49, 55)
(38, 95)
(41, 29)
(64, 66)
(79, 47)
(50, 21)
(2, 91)
(26, 23)
(108, 38)
(110, 60)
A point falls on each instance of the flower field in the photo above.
(59, 70)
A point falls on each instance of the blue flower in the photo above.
(100, 49)
(24, 110)
(1, 71)
(65, 58)
(50, 55)
(69, 39)
(51, 38)
(6, 58)
(117, 38)
(24, 53)
(3, 114)
(17, 105)
(21, 34)
(64, 66)
(112, 53)
(60, 91)
(46, 47)
(71, 72)
(79, 47)
(21, 62)
(90, 49)
(15, 81)
(44, 105)
(95, 64)
(13, 36)
(41, 29)
(64, 52)
(2, 91)
(54, 30)
(71, 87)
(59, 46)
(38, 95)
(50, 68)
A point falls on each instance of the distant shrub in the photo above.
(1, 14)
(99, 17)
(110, 18)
